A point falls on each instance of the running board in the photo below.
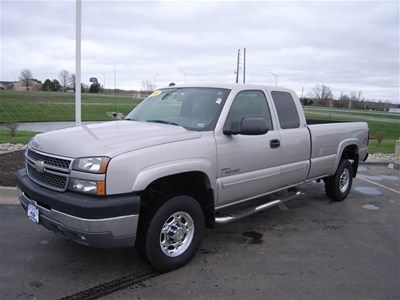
(230, 217)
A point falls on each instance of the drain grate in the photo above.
(112, 286)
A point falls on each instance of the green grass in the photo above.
(386, 146)
(388, 123)
(21, 137)
(57, 106)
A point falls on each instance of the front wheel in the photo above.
(338, 186)
(173, 233)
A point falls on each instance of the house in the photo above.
(34, 85)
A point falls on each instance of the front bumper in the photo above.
(107, 222)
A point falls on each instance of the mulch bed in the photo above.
(10, 163)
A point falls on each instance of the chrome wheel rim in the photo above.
(344, 180)
(176, 234)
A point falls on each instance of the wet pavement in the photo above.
(309, 248)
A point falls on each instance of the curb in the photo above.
(376, 162)
(8, 195)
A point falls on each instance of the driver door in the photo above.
(248, 165)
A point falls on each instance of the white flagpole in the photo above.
(78, 63)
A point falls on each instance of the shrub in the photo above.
(12, 127)
(379, 136)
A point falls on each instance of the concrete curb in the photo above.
(8, 195)
(376, 162)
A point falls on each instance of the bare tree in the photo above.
(63, 76)
(72, 81)
(26, 77)
(323, 94)
(147, 85)
(357, 97)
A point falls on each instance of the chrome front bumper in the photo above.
(102, 233)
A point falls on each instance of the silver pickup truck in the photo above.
(183, 159)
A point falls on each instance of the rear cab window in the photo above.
(286, 108)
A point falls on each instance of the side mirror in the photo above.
(248, 126)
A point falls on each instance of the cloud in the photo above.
(346, 45)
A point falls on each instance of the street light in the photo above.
(104, 82)
(184, 73)
(154, 81)
(78, 62)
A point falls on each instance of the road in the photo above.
(307, 248)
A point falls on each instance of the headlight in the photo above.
(91, 164)
(88, 186)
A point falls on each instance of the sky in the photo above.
(347, 45)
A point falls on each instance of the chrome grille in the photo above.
(49, 160)
(48, 170)
(46, 179)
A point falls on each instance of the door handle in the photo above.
(274, 144)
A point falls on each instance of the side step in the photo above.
(231, 216)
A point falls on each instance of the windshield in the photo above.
(193, 108)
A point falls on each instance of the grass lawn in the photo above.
(21, 137)
(386, 146)
(57, 106)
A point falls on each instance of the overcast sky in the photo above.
(345, 45)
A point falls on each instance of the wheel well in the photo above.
(351, 152)
(195, 184)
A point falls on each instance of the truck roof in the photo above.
(232, 86)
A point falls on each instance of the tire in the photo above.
(338, 186)
(159, 248)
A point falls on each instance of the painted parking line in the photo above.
(380, 185)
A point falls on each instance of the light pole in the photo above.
(78, 62)
(154, 81)
(276, 78)
(184, 73)
(104, 83)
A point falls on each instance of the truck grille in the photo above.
(50, 160)
(48, 170)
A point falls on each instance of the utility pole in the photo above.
(302, 91)
(276, 78)
(237, 66)
(78, 62)
(244, 65)
(154, 81)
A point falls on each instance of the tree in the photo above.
(147, 85)
(379, 137)
(51, 85)
(72, 81)
(94, 88)
(26, 77)
(64, 77)
(323, 94)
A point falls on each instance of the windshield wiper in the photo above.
(163, 122)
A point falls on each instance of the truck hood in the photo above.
(109, 138)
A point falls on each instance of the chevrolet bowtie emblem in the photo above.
(39, 166)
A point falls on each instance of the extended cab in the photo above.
(181, 160)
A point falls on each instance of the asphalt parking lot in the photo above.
(307, 248)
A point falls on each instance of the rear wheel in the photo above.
(338, 186)
(172, 233)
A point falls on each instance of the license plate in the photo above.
(33, 213)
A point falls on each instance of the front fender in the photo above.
(152, 173)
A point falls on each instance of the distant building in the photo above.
(34, 85)
(5, 85)
(394, 110)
